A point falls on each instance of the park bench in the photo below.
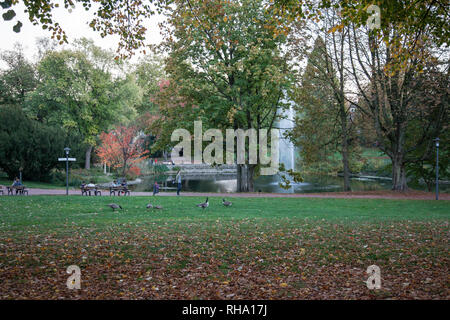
(88, 190)
(119, 190)
(167, 188)
(21, 190)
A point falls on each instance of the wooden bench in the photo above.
(119, 190)
(21, 190)
(87, 190)
(167, 188)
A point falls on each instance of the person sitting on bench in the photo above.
(17, 183)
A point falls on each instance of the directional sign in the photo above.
(68, 159)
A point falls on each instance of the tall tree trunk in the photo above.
(87, 164)
(398, 173)
(344, 145)
(238, 177)
(250, 177)
(245, 175)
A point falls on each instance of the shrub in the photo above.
(28, 144)
(133, 173)
(77, 176)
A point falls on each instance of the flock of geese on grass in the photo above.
(203, 205)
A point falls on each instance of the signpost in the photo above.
(67, 159)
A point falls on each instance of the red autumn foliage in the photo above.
(122, 148)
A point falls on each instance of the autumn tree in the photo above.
(124, 18)
(412, 18)
(316, 131)
(173, 111)
(325, 77)
(227, 65)
(384, 66)
(121, 148)
(78, 92)
(389, 89)
(425, 117)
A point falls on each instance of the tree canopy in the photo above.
(225, 67)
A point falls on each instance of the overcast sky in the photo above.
(75, 25)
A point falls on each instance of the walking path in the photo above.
(386, 194)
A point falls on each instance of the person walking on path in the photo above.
(155, 188)
(178, 179)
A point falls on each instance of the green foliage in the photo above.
(77, 93)
(375, 162)
(159, 171)
(18, 78)
(319, 122)
(159, 168)
(120, 17)
(315, 131)
(77, 176)
(285, 174)
(148, 72)
(226, 67)
(28, 144)
(148, 143)
(423, 170)
(411, 18)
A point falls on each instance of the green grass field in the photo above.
(260, 248)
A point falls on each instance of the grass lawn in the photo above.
(260, 248)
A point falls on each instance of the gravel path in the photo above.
(419, 195)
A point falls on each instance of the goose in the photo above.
(149, 206)
(158, 207)
(226, 203)
(114, 206)
(204, 204)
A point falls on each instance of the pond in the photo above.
(311, 184)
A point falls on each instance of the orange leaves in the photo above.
(121, 148)
(338, 27)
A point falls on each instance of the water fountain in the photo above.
(287, 149)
